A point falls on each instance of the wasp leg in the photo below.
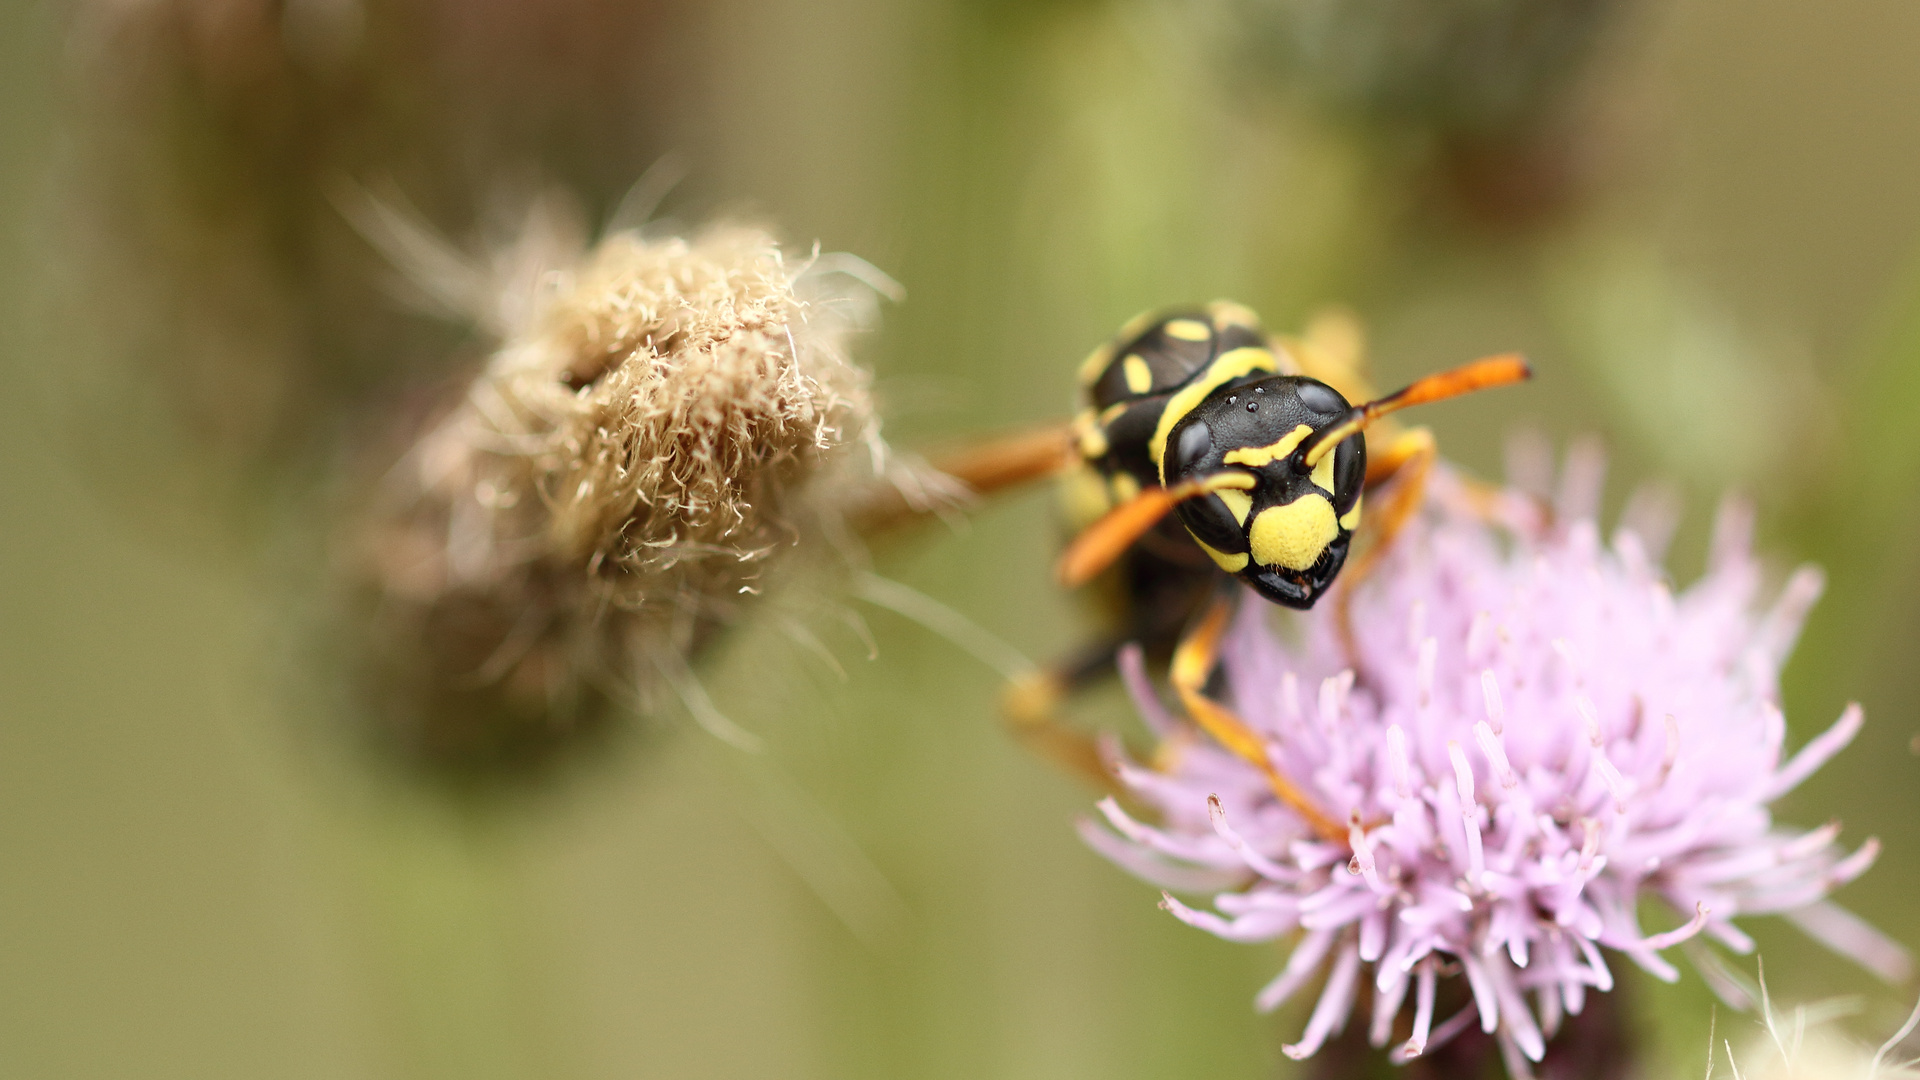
(951, 480)
(1405, 463)
(1011, 459)
(1031, 707)
(1193, 663)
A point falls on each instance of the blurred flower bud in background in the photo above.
(1480, 96)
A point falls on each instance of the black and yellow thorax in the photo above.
(1202, 395)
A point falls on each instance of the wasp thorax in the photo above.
(1286, 532)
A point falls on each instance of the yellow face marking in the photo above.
(1226, 367)
(1139, 375)
(1188, 329)
(1083, 494)
(1113, 411)
(1095, 365)
(1351, 519)
(1232, 564)
(1323, 474)
(1239, 503)
(1227, 313)
(1125, 487)
(1256, 456)
(1295, 534)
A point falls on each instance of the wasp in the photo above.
(1207, 453)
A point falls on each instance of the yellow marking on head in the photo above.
(1232, 564)
(1226, 367)
(1083, 495)
(1125, 488)
(1323, 474)
(1095, 365)
(1256, 456)
(1188, 329)
(1227, 313)
(1351, 519)
(1112, 412)
(1331, 438)
(1139, 375)
(1239, 503)
(1295, 534)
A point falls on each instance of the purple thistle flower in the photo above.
(1534, 733)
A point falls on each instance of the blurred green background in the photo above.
(1699, 217)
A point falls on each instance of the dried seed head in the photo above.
(664, 402)
(662, 419)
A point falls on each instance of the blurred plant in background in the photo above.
(208, 137)
(1478, 101)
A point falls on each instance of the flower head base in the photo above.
(1535, 733)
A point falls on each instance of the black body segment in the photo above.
(1165, 355)
(1200, 392)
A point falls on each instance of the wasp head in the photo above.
(1285, 529)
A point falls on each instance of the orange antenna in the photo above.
(1481, 374)
(1100, 543)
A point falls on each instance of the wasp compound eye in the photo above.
(1194, 444)
(1319, 398)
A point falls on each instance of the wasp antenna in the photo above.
(1481, 374)
(1100, 543)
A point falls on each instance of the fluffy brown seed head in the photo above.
(662, 419)
(659, 410)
